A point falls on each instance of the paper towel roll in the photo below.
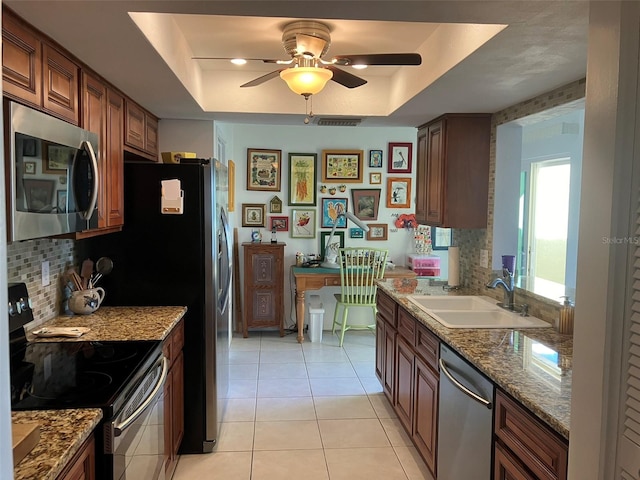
(454, 266)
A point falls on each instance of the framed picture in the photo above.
(342, 166)
(281, 224)
(55, 158)
(232, 186)
(39, 194)
(303, 223)
(263, 169)
(29, 168)
(441, 238)
(356, 232)
(366, 202)
(275, 205)
(331, 208)
(398, 192)
(377, 231)
(61, 198)
(324, 238)
(29, 147)
(375, 158)
(400, 156)
(253, 214)
(375, 178)
(303, 176)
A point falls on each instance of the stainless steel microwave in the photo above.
(53, 179)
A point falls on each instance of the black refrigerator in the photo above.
(175, 249)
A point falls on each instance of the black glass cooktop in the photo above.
(75, 374)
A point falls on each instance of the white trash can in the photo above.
(316, 318)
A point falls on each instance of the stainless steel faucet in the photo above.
(506, 282)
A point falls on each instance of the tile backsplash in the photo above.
(24, 264)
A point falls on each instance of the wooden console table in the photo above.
(316, 278)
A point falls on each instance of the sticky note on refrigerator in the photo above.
(171, 202)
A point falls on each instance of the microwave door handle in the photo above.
(94, 193)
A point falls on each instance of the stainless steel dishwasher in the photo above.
(464, 420)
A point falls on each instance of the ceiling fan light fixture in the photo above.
(306, 80)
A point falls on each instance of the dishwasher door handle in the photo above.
(465, 390)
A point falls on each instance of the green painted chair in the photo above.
(359, 270)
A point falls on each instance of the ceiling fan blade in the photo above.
(380, 59)
(345, 78)
(309, 46)
(264, 60)
(260, 80)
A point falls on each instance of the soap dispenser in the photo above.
(565, 322)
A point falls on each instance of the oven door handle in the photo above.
(117, 429)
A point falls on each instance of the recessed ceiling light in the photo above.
(238, 61)
(359, 67)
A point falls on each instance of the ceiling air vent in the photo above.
(339, 122)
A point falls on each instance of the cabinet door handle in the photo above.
(461, 387)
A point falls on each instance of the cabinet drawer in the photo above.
(427, 346)
(387, 308)
(508, 468)
(406, 326)
(332, 282)
(536, 445)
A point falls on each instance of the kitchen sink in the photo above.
(472, 311)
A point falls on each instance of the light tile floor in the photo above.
(311, 411)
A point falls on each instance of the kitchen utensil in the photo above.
(85, 272)
(104, 265)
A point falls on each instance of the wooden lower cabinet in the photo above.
(388, 378)
(174, 397)
(83, 464)
(263, 286)
(524, 447)
(425, 412)
(404, 383)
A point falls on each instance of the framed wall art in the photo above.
(342, 166)
(253, 214)
(30, 168)
(55, 158)
(377, 231)
(398, 192)
(303, 223)
(303, 176)
(275, 205)
(356, 232)
(39, 194)
(375, 178)
(324, 238)
(331, 208)
(375, 158)
(61, 198)
(281, 224)
(441, 238)
(400, 157)
(366, 202)
(263, 169)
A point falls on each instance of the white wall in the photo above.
(313, 139)
(187, 136)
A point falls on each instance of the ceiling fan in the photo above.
(307, 72)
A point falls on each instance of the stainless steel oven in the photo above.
(134, 436)
(52, 182)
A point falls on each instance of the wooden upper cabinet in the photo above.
(21, 61)
(452, 171)
(36, 73)
(60, 85)
(141, 131)
(115, 159)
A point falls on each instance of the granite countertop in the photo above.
(516, 360)
(62, 433)
(118, 323)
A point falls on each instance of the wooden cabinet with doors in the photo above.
(525, 448)
(263, 286)
(386, 334)
(173, 397)
(102, 113)
(83, 464)
(452, 171)
(36, 72)
(140, 131)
